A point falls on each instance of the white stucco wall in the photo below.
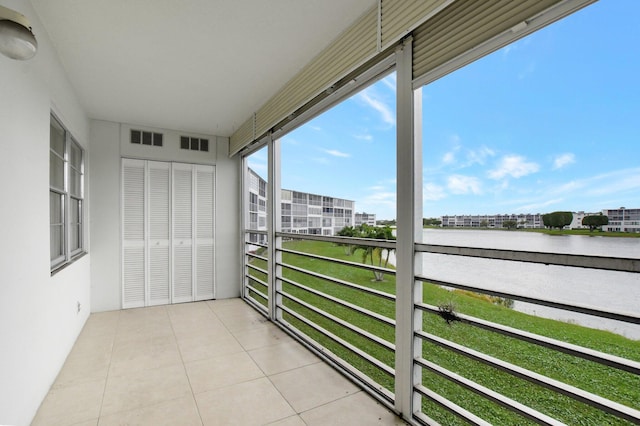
(109, 143)
(39, 321)
(228, 217)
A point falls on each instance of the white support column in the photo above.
(409, 228)
(244, 208)
(274, 224)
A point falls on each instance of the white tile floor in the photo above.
(205, 363)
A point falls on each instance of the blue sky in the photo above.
(551, 122)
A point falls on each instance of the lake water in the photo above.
(606, 290)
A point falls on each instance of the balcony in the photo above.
(204, 363)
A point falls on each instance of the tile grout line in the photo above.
(106, 379)
(184, 368)
(263, 372)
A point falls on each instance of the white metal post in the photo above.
(409, 227)
(244, 208)
(274, 224)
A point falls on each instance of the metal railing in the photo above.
(256, 276)
(341, 320)
(621, 411)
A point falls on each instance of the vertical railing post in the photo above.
(244, 208)
(409, 228)
(274, 225)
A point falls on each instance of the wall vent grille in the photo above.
(140, 137)
(194, 144)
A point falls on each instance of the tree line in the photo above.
(561, 219)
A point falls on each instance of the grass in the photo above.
(605, 381)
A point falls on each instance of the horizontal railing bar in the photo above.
(257, 256)
(256, 244)
(588, 398)
(559, 259)
(342, 262)
(259, 281)
(359, 331)
(351, 241)
(496, 397)
(424, 419)
(362, 354)
(356, 308)
(374, 292)
(336, 361)
(574, 308)
(255, 268)
(255, 231)
(255, 290)
(451, 406)
(547, 342)
(257, 306)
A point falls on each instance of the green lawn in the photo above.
(605, 381)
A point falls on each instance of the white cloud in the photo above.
(290, 141)
(536, 207)
(337, 153)
(479, 155)
(382, 196)
(387, 114)
(383, 205)
(609, 183)
(390, 82)
(563, 160)
(613, 182)
(514, 166)
(367, 137)
(260, 168)
(432, 192)
(376, 188)
(460, 184)
(449, 158)
(455, 139)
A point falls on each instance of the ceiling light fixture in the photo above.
(16, 37)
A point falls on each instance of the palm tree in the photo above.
(372, 253)
(347, 231)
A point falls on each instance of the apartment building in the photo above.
(365, 219)
(493, 221)
(301, 212)
(622, 220)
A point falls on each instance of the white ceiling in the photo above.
(202, 66)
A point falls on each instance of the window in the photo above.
(66, 196)
(299, 209)
(315, 200)
(253, 202)
(299, 197)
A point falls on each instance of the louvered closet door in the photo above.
(183, 219)
(204, 232)
(159, 251)
(167, 233)
(133, 233)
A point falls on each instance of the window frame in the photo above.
(72, 238)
